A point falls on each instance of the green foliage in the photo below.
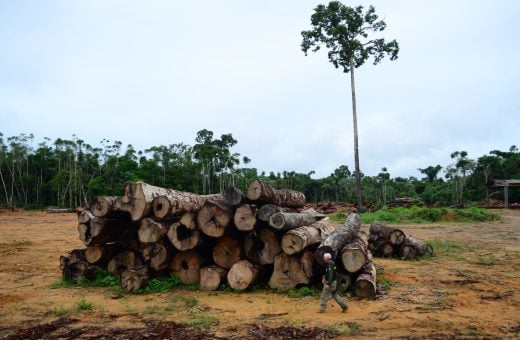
(198, 319)
(160, 285)
(346, 328)
(427, 215)
(446, 248)
(83, 306)
(103, 279)
(301, 292)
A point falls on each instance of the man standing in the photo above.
(330, 285)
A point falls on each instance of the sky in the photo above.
(151, 73)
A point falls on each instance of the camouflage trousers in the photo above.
(330, 291)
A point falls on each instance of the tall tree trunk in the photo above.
(259, 191)
(357, 172)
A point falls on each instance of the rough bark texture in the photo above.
(413, 247)
(355, 254)
(101, 254)
(263, 192)
(138, 199)
(242, 274)
(180, 202)
(135, 278)
(393, 235)
(245, 217)
(343, 234)
(233, 196)
(122, 261)
(344, 281)
(262, 246)
(211, 277)
(151, 231)
(227, 252)
(184, 234)
(289, 271)
(214, 217)
(102, 206)
(98, 231)
(74, 266)
(158, 255)
(286, 221)
(366, 282)
(296, 240)
(266, 210)
(186, 265)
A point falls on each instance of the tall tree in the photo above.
(344, 31)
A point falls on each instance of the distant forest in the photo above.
(70, 172)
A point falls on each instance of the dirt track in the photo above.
(473, 291)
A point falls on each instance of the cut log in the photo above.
(98, 231)
(334, 242)
(296, 240)
(262, 246)
(227, 252)
(184, 234)
(393, 235)
(286, 221)
(138, 199)
(151, 231)
(344, 280)
(263, 192)
(266, 210)
(211, 277)
(382, 247)
(101, 254)
(365, 285)
(233, 196)
(214, 217)
(135, 278)
(123, 261)
(85, 216)
(242, 274)
(76, 270)
(158, 255)
(102, 206)
(413, 247)
(177, 203)
(245, 217)
(290, 271)
(186, 265)
(355, 254)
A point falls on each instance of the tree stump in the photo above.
(262, 246)
(242, 275)
(214, 217)
(227, 252)
(135, 278)
(263, 192)
(211, 277)
(245, 217)
(184, 234)
(186, 265)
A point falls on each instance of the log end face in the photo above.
(161, 207)
(254, 191)
(277, 221)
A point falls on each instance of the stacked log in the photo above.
(386, 241)
(261, 236)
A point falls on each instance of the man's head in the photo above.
(327, 257)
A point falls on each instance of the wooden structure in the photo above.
(503, 183)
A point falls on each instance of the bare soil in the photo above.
(468, 291)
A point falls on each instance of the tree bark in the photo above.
(151, 231)
(382, 247)
(123, 261)
(286, 221)
(357, 172)
(158, 255)
(184, 234)
(266, 210)
(138, 199)
(211, 277)
(245, 217)
(98, 231)
(180, 202)
(242, 274)
(227, 252)
(74, 266)
(393, 235)
(214, 217)
(102, 206)
(262, 246)
(233, 196)
(295, 240)
(135, 278)
(344, 281)
(343, 234)
(263, 192)
(186, 265)
(355, 254)
(413, 247)
(289, 271)
(85, 216)
(365, 286)
(101, 254)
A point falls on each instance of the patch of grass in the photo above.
(447, 248)
(384, 283)
(301, 292)
(160, 285)
(487, 260)
(61, 311)
(103, 279)
(346, 328)
(428, 215)
(187, 301)
(83, 306)
(153, 309)
(200, 320)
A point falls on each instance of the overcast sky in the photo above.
(156, 72)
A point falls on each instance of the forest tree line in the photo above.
(70, 172)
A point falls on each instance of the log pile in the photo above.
(263, 236)
(405, 202)
(386, 241)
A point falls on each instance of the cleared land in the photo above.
(470, 288)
